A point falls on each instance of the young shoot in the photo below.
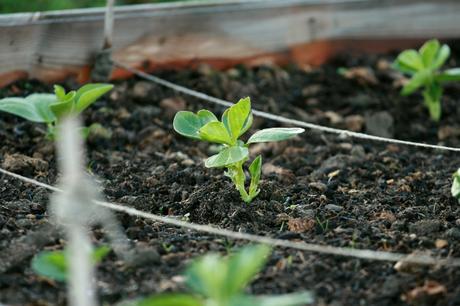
(235, 121)
(221, 281)
(455, 189)
(54, 264)
(51, 108)
(424, 67)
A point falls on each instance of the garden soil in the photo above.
(317, 188)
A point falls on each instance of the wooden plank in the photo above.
(54, 45)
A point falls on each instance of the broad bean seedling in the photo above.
(235, 121)
(424, 68)
(220, 281)
(51, 108)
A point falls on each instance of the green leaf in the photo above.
(188, 124)
(274, 134)
(100, 253)
(449, 75)
(206, 276)
(432, 98)
(59, 91)
(51, 264)
(238, 117)
(455, 189)
(247, 123)
(54, 264)
(441, 57)
(33, 108)
(429, 51)
(409, 61)
(170, 300)
(64, 107)
(215, 131)
(243, 267)
(227, 156)
(88, 94)
(255, 169)
(418, 80)
(292, 299)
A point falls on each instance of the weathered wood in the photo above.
(54, 45)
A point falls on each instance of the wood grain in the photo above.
(52, 46)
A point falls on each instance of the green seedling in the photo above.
(220, 281)
(424, 68)
(235, 121)
(455, 189)
(51, 108)
(53, 264)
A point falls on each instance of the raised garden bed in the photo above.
(317, 188)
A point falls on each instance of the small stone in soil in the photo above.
(380, 124)
(354, 123)
(333, 207)
(318, 185)
(144, 255)
(24, 164)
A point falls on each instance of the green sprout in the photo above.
(236, 120)
(51, 108)
(455, 189)
(221, 281)
(424, 68)
(53, 264)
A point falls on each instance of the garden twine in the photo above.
(278, 118)
(418, 259)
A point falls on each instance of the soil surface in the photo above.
(317, 188)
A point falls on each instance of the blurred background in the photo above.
(18, 6)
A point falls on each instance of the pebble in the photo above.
(380, 124)
(144, 256)
(335, 162)
(173, 105)
(141, 89)
(318, 185)
(22, 163)
(333, 207)
(188, 162)
(305, 212)
(354, 123)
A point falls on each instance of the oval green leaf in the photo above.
(409, 61)
(418, 80)
(243, 267)
(441, 57)
(51, 264)
(429, 51)
(64, 107)
(33, 108)
(274, 134)
(228, 156)
(188, 124)
(238, 118)
(455, 189)
(215, 131)
(88, 94)
(59, 91)
(201, 276)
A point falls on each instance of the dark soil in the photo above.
(318, 188)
